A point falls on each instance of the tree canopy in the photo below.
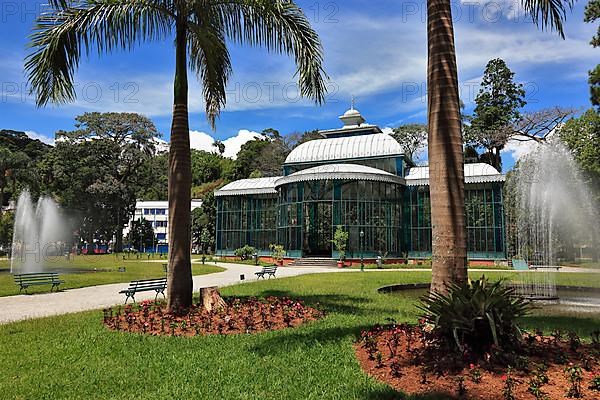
(498, 106)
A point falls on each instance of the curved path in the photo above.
(20, 307)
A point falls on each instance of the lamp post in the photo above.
(362, 260)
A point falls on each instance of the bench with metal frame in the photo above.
(266, 271)
(144, 285)
(37, 278)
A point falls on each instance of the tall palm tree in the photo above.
(446, 177)
(201, 29)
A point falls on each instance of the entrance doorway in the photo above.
(317, 229)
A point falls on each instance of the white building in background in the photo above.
(157, 212)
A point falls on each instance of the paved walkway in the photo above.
(20, 307)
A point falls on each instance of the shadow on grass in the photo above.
(334, 303)
(312, 335)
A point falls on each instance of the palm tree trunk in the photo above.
(179, 279)
(446, 176)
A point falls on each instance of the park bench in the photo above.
(38, 278)
(268, 271)
(145, 285)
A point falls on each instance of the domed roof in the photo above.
(344, 148)
(340, 172)
(474, 173)
(351, 112)
(249, 186)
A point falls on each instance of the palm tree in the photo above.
(446, 178)
(201, 29)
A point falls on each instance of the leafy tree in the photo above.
(220, 146)
(412, 138)
(15, 166)
(497, 106)
(582, 136)
(295, 139)
(249, 157)
(7, 221)
(204, 223)
(201, 32)
(592, 13)
(153, 178)
(141, 235)
(449, 249)
(206, 167)
(127, 141)
(19, 141)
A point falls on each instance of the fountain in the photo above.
(552, 212)
(39, 234)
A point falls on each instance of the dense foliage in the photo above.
(592, 14)
(141, 235)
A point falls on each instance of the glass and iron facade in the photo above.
(359, 179)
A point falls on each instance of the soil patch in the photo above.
(400, 355)
(237, 316)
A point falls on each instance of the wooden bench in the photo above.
(145, 285)
(37, 278)
(268, 271)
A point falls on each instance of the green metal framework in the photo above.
(485, 221)
(309, 213)
(246, 220)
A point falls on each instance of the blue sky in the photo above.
(374, 50)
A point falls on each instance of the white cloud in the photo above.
(203, 141)
(518, 149)
(43, 138)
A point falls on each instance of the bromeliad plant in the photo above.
(475, 316)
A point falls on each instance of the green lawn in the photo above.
(74, 356)
(424, 265)
(97, 270)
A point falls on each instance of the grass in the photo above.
(583, 264)
(96, 270)
(74, 356)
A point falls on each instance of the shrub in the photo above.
(340, 241)
(277, 251)
(476, 315)
(244, 253)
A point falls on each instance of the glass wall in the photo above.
(485, 221)
(417, 216)
(242, 220)
(309, 213)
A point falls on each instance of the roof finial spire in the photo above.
(352, 102)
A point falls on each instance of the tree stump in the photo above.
(210, 298)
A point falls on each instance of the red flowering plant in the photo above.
(237, 316)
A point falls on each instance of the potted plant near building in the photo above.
(340, 241)
(277, 252)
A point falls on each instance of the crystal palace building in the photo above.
(359, 178)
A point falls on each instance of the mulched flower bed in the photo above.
(238, 316)
(410, 360)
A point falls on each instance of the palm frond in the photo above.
(69, 28)
(280, 26)
(209, 59)
(549, 13)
